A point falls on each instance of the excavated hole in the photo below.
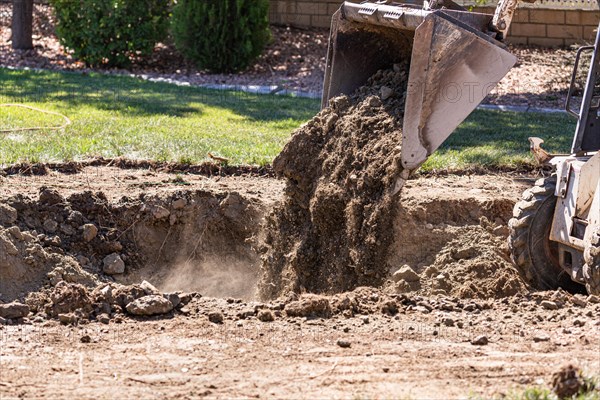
(198, 241)
(192, 241)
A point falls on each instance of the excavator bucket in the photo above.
(455, 61)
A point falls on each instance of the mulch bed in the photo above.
(295, 60)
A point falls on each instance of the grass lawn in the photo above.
(121, 116)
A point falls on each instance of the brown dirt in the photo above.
(334, 226)
(403, 341)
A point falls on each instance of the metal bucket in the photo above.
(454, 63)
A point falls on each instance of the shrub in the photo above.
(111, 32)
(221, 35)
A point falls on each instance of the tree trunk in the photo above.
(22, 24)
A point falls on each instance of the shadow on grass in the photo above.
(138, 97)
(486, 136)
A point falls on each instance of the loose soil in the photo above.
(406, 338)
(334, 226)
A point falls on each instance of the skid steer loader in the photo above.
(456, 58)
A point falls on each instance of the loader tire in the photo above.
(533, 253)
(591, 268)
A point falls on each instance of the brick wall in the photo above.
(534, 25)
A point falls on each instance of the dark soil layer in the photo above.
(334, 226)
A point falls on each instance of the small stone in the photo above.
(67, 229)
(386, 92)
(549, 305)
(13, 310)
(85, 339)
(113, 264)
(448, 321)
(90, 231)
(173, 298)
(406, 273)
(431, 271)
(179, 204)
(216, 317)
(103, 318)
(68, 319)
(160, 212)
(185, 298)
(50, 196)
(579, 300)
(541, 337)
(266, 316)
(480, 341)
(365, 320)
(593, 299)
(578, 322)
(149, 305)
(386, 370)
(8, 215)
(50, 225)
(429, 226)
(149, 288)
(343, 343)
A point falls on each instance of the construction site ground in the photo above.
(367, 343)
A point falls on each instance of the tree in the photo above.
(22, 24)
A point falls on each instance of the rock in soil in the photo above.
(266, 316)
(113, 264)
(216, 317)
(310, 306)
(90, 231)
(149, 305)
(480, 340)
(14, 310)
(406, 273)
(343, 343)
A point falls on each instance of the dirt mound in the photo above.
(473, 265)
(333, 228)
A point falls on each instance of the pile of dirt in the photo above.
(474, 263)
(453, 246)
(333, 228)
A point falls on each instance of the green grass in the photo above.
(496, 139)
(120, 116)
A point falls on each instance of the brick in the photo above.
(589, 33)
(311, 8)
(286, 7)
(574, 42)
(573, 17)
(299, 20)
(517, 39)
(320, 21)
(529, 30)
(546, 42)
(565, 31)
(547, 16)
(590, 17)
(521, 15)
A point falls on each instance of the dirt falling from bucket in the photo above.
(333, 228)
